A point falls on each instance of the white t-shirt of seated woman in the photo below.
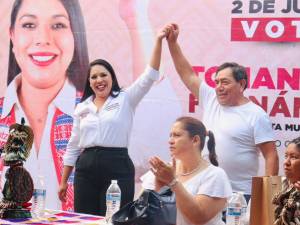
(212, 182)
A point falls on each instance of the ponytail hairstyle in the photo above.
(211, 145)
(196, 127)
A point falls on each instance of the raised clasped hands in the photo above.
(173, 32)
(170, 32)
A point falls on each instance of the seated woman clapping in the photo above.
(201, 188)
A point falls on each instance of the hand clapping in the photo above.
(164, 172)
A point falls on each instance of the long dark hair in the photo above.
(79, 64)
(196, 127)
(115, 89)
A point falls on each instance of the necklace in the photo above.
(191, 172)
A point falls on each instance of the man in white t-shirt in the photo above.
(242, 129)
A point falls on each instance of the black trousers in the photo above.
(94, 170)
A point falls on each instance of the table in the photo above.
(58, 217)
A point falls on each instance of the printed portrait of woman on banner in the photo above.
(48, 61)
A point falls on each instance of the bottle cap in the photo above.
(114, 181)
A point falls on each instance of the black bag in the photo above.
(151, 208)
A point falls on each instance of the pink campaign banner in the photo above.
(261, 35)
(265, 29)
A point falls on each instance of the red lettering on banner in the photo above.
(280, 106)
(263, 79)
(292, 80)
(209, 78)
(198, 69)
(265, 29)
(193, 101)
(272, 105)
(296, 107)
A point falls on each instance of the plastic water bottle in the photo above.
(113, 200)
(244, 219)
(234, 210)
(39, 198)
(247, 217)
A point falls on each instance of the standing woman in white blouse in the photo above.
(100, 136)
